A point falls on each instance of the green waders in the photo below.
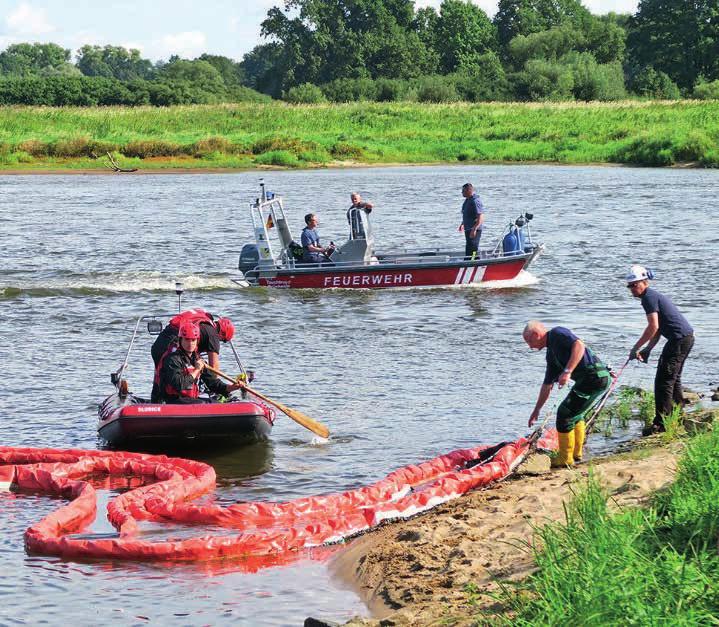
(591, 384)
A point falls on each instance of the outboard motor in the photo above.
(249, 258)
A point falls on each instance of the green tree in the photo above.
(463, 33)
(322, 40)
(524, 17)
(233, 75)
(113, 62)
(26, 59)
(677, 37)
(200, 76)
(259, 66)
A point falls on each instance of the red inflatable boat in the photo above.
(133, 423)
(130, 422)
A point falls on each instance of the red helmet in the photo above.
(190, 331)
(226, 329)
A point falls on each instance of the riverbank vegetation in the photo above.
(391, 50)
(638, 566)
(278, 134)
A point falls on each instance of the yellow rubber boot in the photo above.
(565, 457)
(580, 434)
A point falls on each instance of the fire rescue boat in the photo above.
(274, 260)
(131, 422)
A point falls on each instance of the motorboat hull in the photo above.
(135, 424)
(430, 270)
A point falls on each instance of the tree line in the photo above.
(389, 50)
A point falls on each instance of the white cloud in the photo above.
(26, 20)
(187, 45)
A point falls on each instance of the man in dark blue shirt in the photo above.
(314, 252)
(567, 358)
(663, 318)
(472, 220)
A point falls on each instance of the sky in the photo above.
(161, 28)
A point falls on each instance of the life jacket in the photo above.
(168, 390)
(191, 315)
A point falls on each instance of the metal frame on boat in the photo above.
(356, 265)
(130, 421)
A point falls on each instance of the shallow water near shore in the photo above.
(399, 376)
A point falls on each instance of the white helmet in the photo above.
(639, 273)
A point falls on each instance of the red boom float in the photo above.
(257, 528)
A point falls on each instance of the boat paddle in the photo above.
(297, 416)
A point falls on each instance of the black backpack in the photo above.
(295, 251)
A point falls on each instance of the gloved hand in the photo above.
(643, 355)
(633, 354)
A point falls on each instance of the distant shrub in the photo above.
(646, 150)
(343, 150)
(314, 156)
(240, 93)
(390, 90)
(289, 144)
(706, 91)
(278, 157)
(206, 147)
(306, 93)
(79, 147)
(652, 83)
(436, 89)
(593, 81)
(482, 82)
(696, 146)
(151, 148)
(350, 90)
(543, 80)
(35, 147)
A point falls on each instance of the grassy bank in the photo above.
(277, 134)
(638, 567)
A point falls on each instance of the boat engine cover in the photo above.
(249, 258)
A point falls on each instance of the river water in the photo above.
(399, 376)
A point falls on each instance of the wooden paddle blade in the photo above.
(297, 416)
(304, 420)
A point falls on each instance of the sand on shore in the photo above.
(415, 572)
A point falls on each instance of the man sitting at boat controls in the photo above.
(314, 252)
(181, 368)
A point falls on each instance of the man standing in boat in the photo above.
(314, 252)
(663, 318)
(567, 358)
(472, 220)
(180, 368)
(212, 332)
(354, 215)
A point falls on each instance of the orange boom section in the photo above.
(254, 528)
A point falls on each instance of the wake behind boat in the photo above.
(275, 261)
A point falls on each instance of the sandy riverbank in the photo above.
(415, 572)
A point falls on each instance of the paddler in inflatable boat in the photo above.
(212, 331)
(567, 358)
(180, 369)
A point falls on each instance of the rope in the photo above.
(600, 405)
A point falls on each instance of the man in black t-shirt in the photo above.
(663, 319)
(567, 358)
(213, 330)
